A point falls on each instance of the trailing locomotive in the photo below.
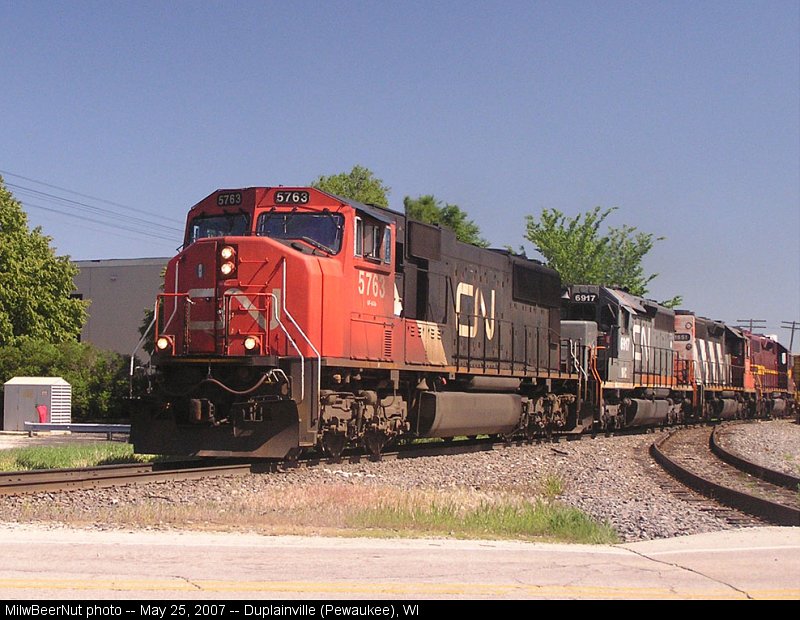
(296, 319)
(659, 366)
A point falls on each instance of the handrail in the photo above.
(138, 345)
(596, 374)
(175, 297)
(175, 288)
(302, 333)
(294, 345)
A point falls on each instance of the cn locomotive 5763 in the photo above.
(294, 319)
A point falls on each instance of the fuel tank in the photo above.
(448, 414)
(728, 409)
(642, 412)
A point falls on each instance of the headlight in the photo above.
(227, 260)
(163, 343)
(250, 343)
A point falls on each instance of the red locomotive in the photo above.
(293, 318)
(296, 319)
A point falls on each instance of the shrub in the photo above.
(99, 378)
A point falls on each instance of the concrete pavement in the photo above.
(44, 562)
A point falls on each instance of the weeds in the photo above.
(553, 486)
(339, 510)
(529, 513)
(492, 518)
(68, 456)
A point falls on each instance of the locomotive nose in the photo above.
(213, 304)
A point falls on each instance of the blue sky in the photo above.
(684, 115)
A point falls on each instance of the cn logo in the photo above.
(473, 301)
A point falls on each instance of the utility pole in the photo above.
(751, 324)
(793, 325)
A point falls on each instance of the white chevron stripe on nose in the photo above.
(249, 306)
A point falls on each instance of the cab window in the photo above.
(320, 230)
(387, 245)
(228, 225)
(358, 249)
(373, 241)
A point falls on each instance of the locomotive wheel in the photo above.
(333, 443)
(374, 441)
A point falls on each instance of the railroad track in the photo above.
(687, 454)
(16, 483)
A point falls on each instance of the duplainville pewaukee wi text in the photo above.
(327, 610)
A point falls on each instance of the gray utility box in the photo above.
(36, 399)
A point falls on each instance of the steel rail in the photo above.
(21, 482)
(17, 483)
(778, 478)
(764, 509)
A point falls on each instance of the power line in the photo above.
(103, 200)
(762, 323)
(113, 225)
(81, 206)
(152, 226)
(793, 325)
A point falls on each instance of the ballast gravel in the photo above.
(769, 444)
(612, 479)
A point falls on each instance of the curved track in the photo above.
(687, 455)
(777, 478)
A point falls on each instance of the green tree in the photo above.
(430, 210)
(35, 284)
(577, 249)
(359, 184)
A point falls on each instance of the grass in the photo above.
(334, 509)
(498, 518)
(68, 456)
(552, 486)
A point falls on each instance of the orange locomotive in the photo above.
(293, 318)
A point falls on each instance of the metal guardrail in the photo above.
(108, 429)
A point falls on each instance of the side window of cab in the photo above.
(372, 241)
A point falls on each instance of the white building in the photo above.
(120, 290)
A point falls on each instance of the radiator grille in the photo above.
(387, 344)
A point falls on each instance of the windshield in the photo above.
(229, 225)
(322, 230)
